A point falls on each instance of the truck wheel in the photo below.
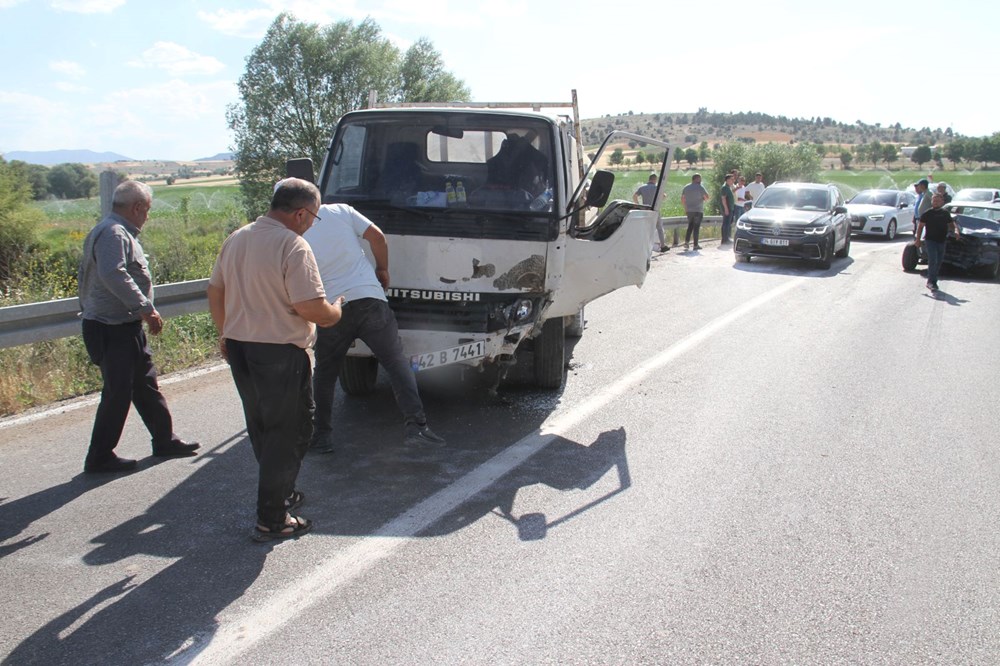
(910, 257)
(550, 349)
(358, 374)
(574, 324)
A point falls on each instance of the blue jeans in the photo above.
(275, 386)
(371, 321)
(935, 257)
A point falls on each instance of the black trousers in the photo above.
(275, 387)
(126, 363)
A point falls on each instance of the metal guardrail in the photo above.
(35, 322)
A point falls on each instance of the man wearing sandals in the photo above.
(265, 295)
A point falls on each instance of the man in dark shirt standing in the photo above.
(937, 222)
(727, 203)
(116, 296)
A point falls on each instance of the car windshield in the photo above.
(799, 198)
(975, 195)
(875, 198)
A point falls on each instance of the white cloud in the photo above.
(87, 6)
(6, 4)
(253, 23)
(66, 86)
(74, 70)
(177, 60)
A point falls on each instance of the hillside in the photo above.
(690, 129)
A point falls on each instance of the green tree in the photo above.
(617, 157)
(18, 221)
(845, 159)
(703, 152)
(954, 152)
(776, 161)
(890, 153)
(72, 181)
(35, 175)
(691, 156)
(874, 152)
(424, 79)
(302, 77)
(921, 155)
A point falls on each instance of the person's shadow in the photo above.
(18, 515)
(130, 621)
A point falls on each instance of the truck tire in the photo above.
(574, 324)
(359, 374)
(550, 348)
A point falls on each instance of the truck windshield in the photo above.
(438, 160)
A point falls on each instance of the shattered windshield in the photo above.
(443, 160)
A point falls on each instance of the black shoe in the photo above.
(322, 444)
(420, 436)
(112, 464)
(697, 247)
(178, 448)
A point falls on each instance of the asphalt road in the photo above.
(763, 463)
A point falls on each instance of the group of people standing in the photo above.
(734, 197)
(274, 282)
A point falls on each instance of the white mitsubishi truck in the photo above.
(498, 233)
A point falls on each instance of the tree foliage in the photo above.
(921, 155)
(72, 181)
(302, 77)
(776, 161)
(18, 221)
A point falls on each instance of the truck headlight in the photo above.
(521, 311)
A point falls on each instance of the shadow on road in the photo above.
(202, 525)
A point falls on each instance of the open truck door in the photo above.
(610, 249)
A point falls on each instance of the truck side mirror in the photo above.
(600, 188)
(300, 167)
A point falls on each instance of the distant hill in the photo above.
(690, 129)
(218, 157)
(53, 157)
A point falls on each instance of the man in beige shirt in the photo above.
(265, 295)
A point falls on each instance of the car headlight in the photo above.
(876, 218)
(819, 231)
(743, 223)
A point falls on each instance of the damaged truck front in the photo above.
(496, 235)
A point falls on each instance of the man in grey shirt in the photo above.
(693, 197)
(116, 297)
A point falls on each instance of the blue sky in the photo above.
(151, 79)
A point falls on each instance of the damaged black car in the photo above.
(976, 251)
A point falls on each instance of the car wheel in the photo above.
(359, 374)
(847, 248)
(826, 253)
(911, 255)
(890, 231)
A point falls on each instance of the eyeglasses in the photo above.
(315, 216)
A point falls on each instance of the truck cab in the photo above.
(496, 235)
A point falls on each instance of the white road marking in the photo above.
(235, 637)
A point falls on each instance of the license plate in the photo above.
(436, 359)
(777, 242)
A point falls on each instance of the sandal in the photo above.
(294, 501)
(294, 526)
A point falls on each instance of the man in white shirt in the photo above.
(756, 188)
(346, 271)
